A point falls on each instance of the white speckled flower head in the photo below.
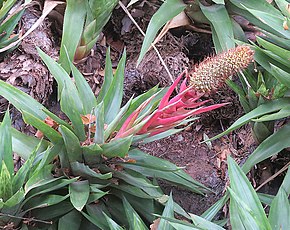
(213, 71)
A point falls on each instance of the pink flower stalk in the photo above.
(170, 113)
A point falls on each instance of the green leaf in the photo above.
(242, 96)
(75, 12)
(47, 131)
(167, 212)
(168, 10)
(40, 178)
(135, 179)
(221, 26)
(24, 145)
(279, 215)
(86, 172)
(6, 183)
(203, 223)
(64, 82)
(265, 58)
(57, 119)
(72, 145)
(94, 214)
(145, 193)
(274, 21)
(269, 147)
(179, 226)
(178, 177)
(262, 130)
(50, 185)
(100, 122)
(219, 2)
(210, 213)
(43, 201)
(265, 198)
(118, 147)
(282, 42)
(242, 217)
(79, 194)
(86, 94)
(15, 199)
(245, 192)
(47, 156)
(70, 108)
(95, 194)
(283, 53)
(113, 126)
(146, 207)
(6, 155)
(163, 134)
(284, 112)
(135, 222)
(146, 160)
(89, 32)
(263, 6)
(113, 98)
(92, 154)
(8, 26)
(238, 31)
(54, 211)
(22, 173)
(281, 75)
(21, 100)
(269, 107)
(70, 221)
(7, 5)
(112, 224)
(100, 11)
(286, 182)
(283, 6)
(108, 79)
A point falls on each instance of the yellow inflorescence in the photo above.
(213, 71)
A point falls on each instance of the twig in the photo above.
(142, 32)
(245, 79)
(26, 219)
(200, 30)
(273, 176)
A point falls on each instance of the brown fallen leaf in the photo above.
(51, 123)
(88, 119)
(155, 224)
(285, 25)
(178, 21)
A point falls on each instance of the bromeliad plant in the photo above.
(89, 158)
(33, 187)
(259, 88)
(206, 77)
(89, 17)
(265, 97)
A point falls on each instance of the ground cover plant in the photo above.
(85, 167)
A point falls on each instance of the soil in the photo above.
(180, 49)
